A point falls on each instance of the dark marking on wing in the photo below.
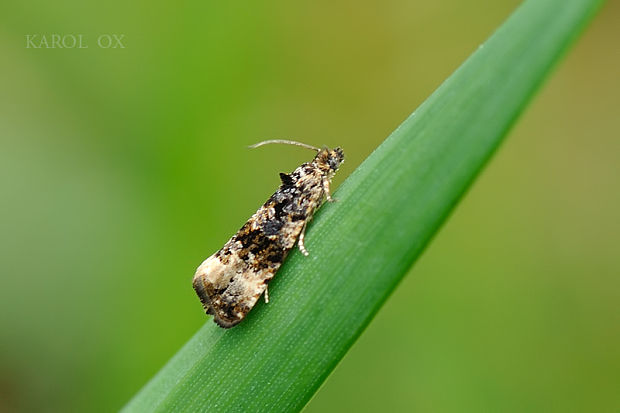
(286, 179)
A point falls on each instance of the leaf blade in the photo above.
(361, 247)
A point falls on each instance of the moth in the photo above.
(230, 282)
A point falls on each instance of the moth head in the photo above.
(329, 160)
(335, 158)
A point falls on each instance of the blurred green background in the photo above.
(122, 169)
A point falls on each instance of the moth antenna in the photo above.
(284, 141)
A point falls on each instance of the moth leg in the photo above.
(300, 243)
(326, 190)
(266, 294)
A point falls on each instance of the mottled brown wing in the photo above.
(230, 282)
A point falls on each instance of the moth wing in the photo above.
(230, 282)
(229, 290)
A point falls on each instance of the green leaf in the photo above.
(361, 246)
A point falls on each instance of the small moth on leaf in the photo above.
(230, 282)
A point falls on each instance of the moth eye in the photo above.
(334, 163)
